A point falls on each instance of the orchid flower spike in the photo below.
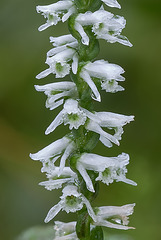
(69, 162)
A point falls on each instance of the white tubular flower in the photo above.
(62, 40)
(56, 92)
(109, 168)
(112, 3)
(105, 25)
(71, 201)
(48, 155)
(56, 180)
(65, 231)
(58, 64)
(114, 217)
(109, 120)
(108, 74)
(71, 114)
(56, 12)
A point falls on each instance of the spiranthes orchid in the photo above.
(69, 162)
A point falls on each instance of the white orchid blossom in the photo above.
(62, 40)
(71, 201)
(48, 155)
(56, 180)
(56, 12)
(65, 231)
(76, 116)
(111, 3)
(71, 114)
(114, 217)
(108, 120)
(105, 25)
(56, 92)
(59, 63)
(109, 168)
(108, 73)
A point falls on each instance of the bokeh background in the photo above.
(24, 118)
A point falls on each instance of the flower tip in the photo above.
(46, 220)
(47, 132)
(38, 76)
(32, 156)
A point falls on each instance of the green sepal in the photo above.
(91, 141)
(88, 5)
(89, 52)
(71, 23)
(83, 225)
(97, 233)
(89, 195)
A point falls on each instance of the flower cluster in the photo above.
(68, 162)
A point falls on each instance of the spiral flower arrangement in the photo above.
(79, 171)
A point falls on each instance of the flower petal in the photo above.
(86, 177)
(53, 212)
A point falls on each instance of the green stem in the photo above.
(85, 141)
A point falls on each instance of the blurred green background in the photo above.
(23, 117)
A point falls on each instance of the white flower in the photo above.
(111, 3)
(56, 180)
(109, 120)
(114, 217)
(71, 114)
(62, 40)
(65, 231)
(64, 43)
(48, 155)
(58, 63)
(105, 25)
(108, 74)
(109, 168)
(56, 12)
(56, 92)
(71, 201)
